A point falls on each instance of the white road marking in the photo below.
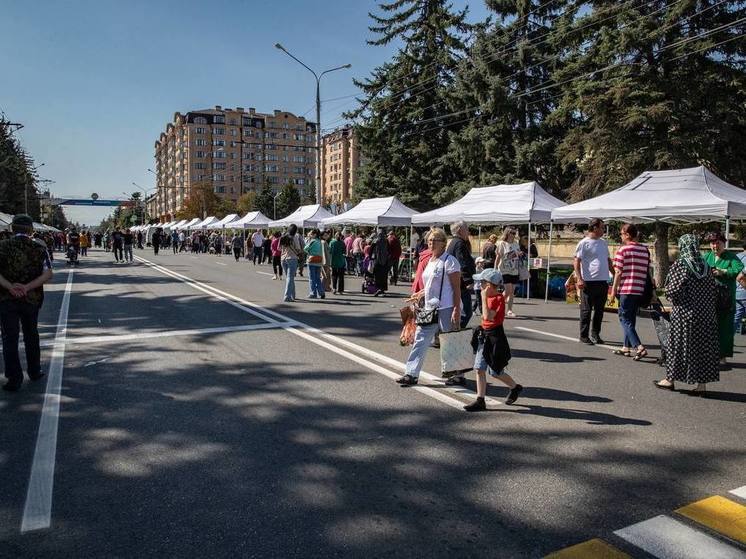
(265, 273)
(282, 321)
(561, 337)
(666, 538)
(221, 263)
(169, 333)
(37, 512)
(740, 492)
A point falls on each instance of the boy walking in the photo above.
(490, 342)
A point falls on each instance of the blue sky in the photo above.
(95, 82)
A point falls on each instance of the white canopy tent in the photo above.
(252, 220)
(191, 223)
(180, 224)
(305, 216)
(504, 203)
(221, 224)
(205, 222)
(5, 221)
(692, 195)
(375, 212)
(501, 204)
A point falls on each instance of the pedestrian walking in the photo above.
(349, 239)
(236, 244)
(592, 264)
(395, 251)
(379, 253)
(139, 240)
(276, 252)
(156, 240)
(631, 268)
(290, 254)
(315, 252)
(182, 241)
(508, 257)
(339, 264)
(492, 351)
(693, 349)
(85, 242)
(257, 243)
(128, 240)
(439, 301)
(175, 241)
(358, 244)
(267, 249)
(24, 269)
(117, 245)
(489, 251)
(725, 266)
(326, 267)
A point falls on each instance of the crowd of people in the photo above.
(706, 293)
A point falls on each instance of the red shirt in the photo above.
(418, 284)
(495, 303)
(633, 261)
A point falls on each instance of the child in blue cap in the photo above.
(491, 345)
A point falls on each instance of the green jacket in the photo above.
(22, 260)
(730, 263)
(338, 254)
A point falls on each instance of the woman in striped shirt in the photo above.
(631, 264)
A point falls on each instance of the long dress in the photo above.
(732, 265)
(693, 350)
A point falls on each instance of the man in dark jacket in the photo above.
(460, 248)
(24, 268)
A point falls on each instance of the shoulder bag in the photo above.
(425, 317)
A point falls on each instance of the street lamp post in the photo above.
(318, 114)
(25, 189)
(274, 205)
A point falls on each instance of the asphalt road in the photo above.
(202, 417)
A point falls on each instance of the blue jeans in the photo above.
(740, 313)
(289, 266)
(316, 287)
(423, 337)
(628, 305)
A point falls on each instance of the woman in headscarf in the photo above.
(693, 349)
(380, 255)
(725, 267)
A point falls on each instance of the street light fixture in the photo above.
(274, 205)
(318, 113)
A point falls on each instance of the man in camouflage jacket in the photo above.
(24, 268)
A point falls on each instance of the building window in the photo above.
(218, 119)
(218, 154)
(218, 142)
(200, 142)
(200, 120)
(219, 131)
(270, 168)
(199, 154)
(200, 166)
(219, 166)
(246, 121)
(200, 130)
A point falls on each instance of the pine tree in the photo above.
(403, 114)
(499, 92)
(265, 200)
(17, 175)
(288, 200)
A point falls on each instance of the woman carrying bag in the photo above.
(439, 304)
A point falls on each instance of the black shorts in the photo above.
(510, 278)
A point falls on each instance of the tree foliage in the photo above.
(18, 179)
(204, 202)
(288, 200)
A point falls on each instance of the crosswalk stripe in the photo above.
(666, 538)
(592, 549)
(719, 514)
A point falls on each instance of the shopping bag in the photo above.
(456, 353)
(407, 332)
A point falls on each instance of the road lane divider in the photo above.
(560, 336)
(445, 394)
(37, 511)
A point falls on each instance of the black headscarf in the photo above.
(381, 248)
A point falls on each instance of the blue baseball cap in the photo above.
(491, 275)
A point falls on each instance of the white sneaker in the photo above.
(511, 314)
(274, 277)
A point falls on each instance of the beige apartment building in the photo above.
(235, 151)
(340, 163)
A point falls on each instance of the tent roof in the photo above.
(191, 223)
(305, 216)
(252, 220)
(221, 224)
(180, 224)
(375, 211)
(503, 203)
(204, 223)
(677, 196)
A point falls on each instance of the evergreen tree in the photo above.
(404, 113)
(506, 137)
(265, 200)
(17, 175)
(288, 200)
(246, 203)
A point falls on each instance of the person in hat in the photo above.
(489, 341)
(24, 268)
(725, 266)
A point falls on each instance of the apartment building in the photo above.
(234, 151)
(340, 163)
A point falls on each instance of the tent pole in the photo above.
(528, 262)
(727, 231)
(549, 258)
